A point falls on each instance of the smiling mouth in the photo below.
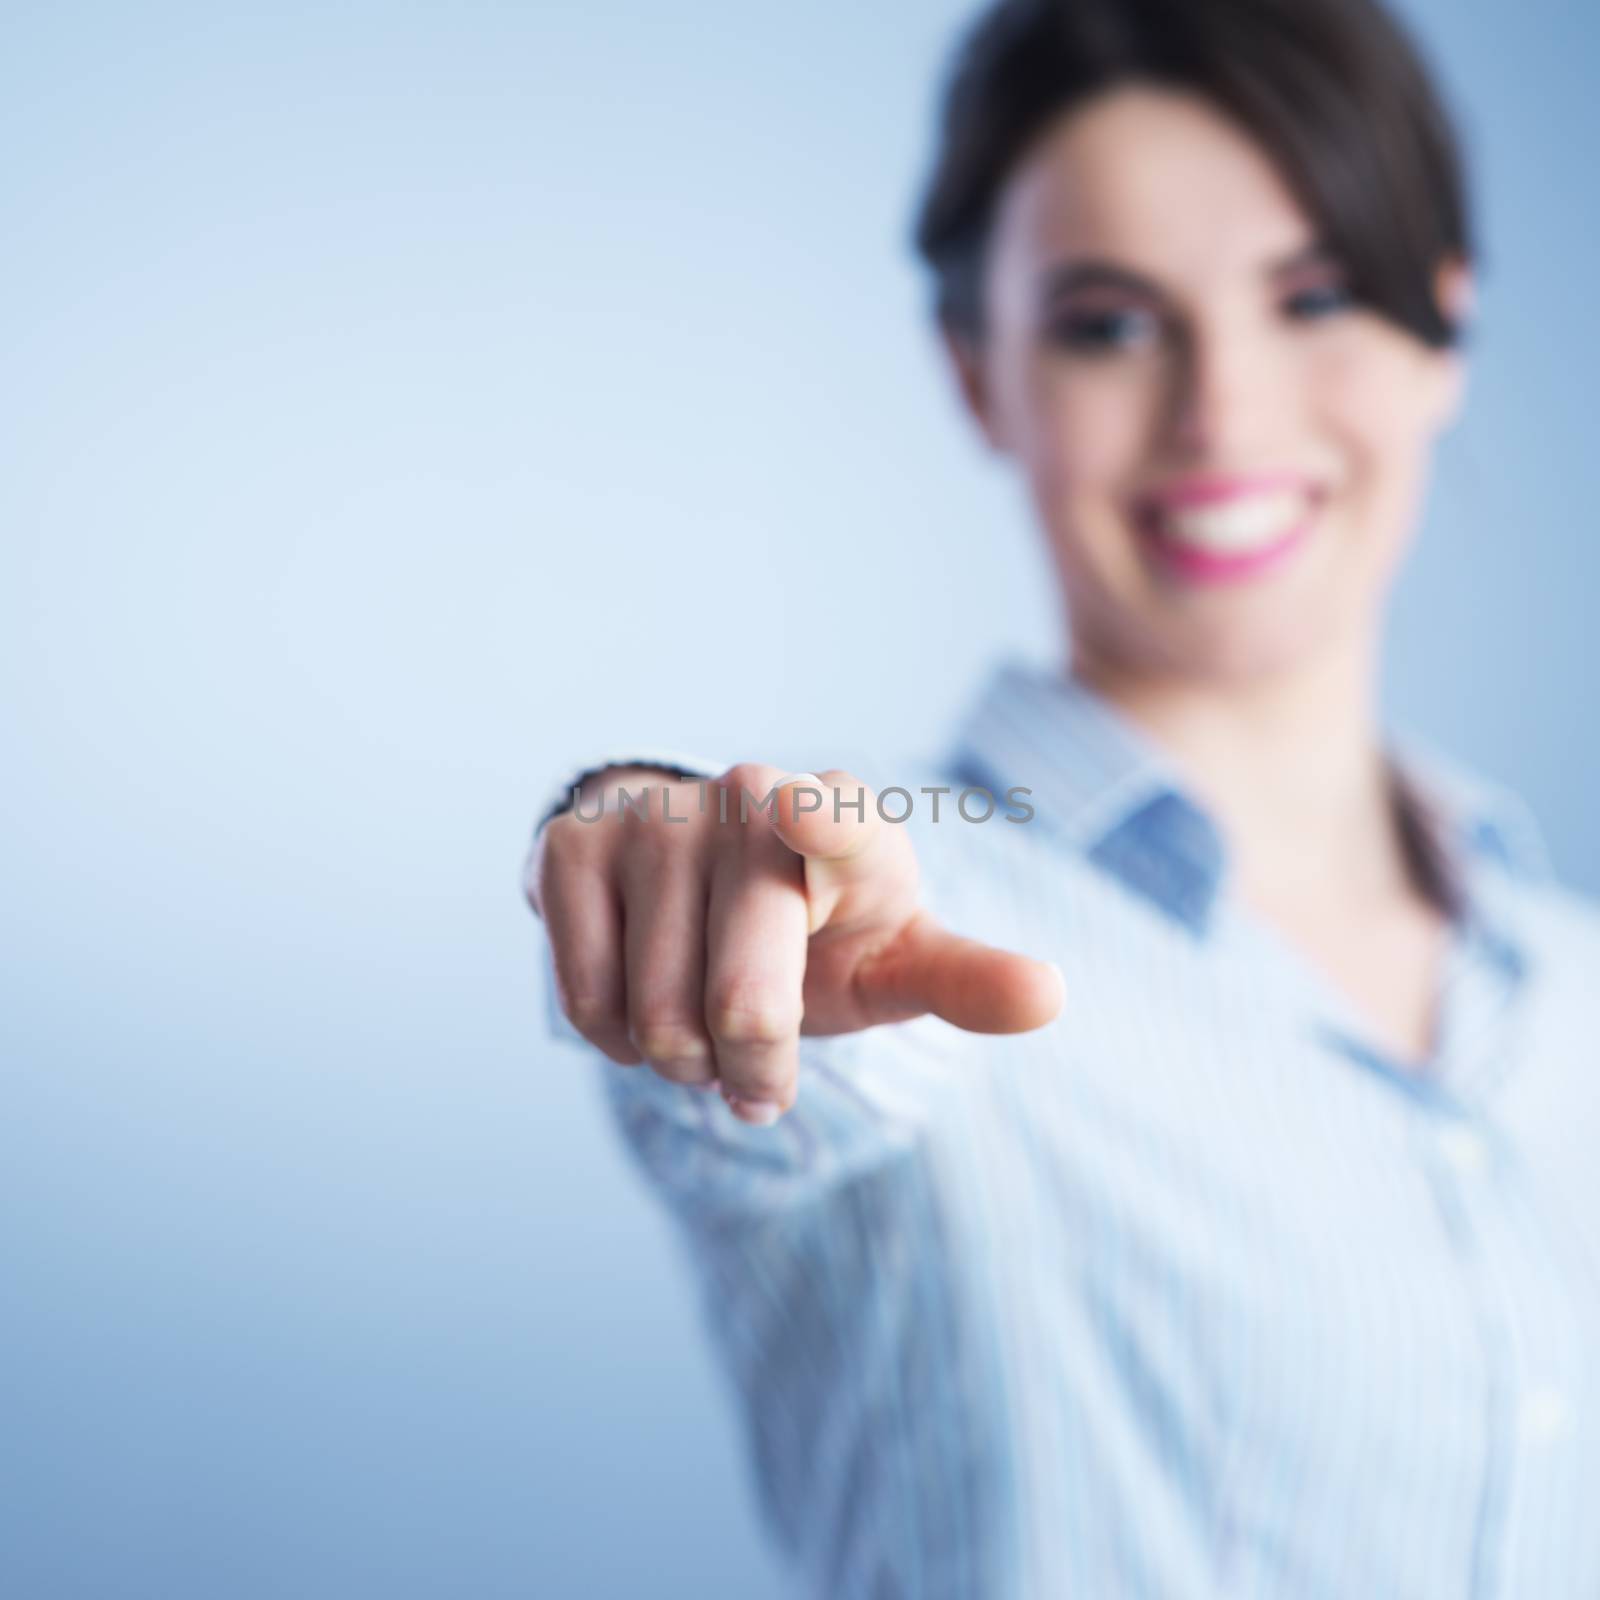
(1230, 538)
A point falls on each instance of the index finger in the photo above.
(858, 867)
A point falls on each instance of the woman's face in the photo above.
(1226, 454)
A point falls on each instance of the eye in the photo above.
(1101, 332)
(1323, 301)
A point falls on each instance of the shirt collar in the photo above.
(1102, 783)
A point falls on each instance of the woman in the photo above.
(1261, 1257)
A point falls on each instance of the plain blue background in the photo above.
(400, 401)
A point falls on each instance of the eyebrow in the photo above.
(1094, 273)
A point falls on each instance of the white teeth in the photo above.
(1231, 526)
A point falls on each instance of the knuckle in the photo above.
(749, 773)
(563, 834)
(670, 1040)
(560, 826)
(569, 846)
(754, 778)
(593, 1016)
(654, 840)
(744, 1018)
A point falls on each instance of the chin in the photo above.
(1211, 633)
(1240, 651)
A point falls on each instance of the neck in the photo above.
(1291, 767)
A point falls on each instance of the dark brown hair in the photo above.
(1334, 91)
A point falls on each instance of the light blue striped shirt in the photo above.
(1192, 1292)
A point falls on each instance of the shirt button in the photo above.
(1463, 1149)
(1543, 1413)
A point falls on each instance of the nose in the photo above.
(1226, 394)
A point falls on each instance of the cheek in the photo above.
(1090, 444)
(1374, 404)
(1089, 435)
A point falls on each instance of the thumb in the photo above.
(966, 982)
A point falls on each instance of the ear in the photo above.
(967, 365)
(1455, 287)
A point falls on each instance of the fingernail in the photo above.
(709, 1083)
(796, 777)
(757, 1111)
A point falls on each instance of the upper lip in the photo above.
(1205, 490)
